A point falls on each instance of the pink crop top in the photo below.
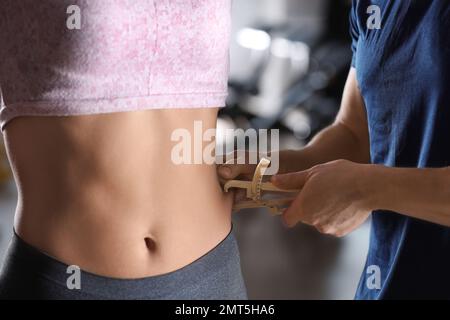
(127, 55)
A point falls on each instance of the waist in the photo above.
(102, 192)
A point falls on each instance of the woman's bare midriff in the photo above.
(102, 192)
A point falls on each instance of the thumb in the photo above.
(290, 181)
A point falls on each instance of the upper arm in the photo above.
(352, 113)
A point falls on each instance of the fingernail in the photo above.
(225, 171)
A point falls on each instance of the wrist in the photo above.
(374, 186)
(291, 161)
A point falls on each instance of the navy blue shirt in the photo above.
(403, 70)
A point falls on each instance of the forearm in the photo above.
(420, 193)
(333, 143)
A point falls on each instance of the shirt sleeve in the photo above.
(354, 30)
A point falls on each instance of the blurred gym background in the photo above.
(289, 61)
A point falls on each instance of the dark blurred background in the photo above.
(289, 62)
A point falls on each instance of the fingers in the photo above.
(293, 215)
(239, 164)
(231, 171)
(291, 181)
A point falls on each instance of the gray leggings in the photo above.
(28, 273)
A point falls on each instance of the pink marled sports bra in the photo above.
(128, 55)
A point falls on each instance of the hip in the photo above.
(31, 274)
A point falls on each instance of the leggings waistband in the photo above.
(206, 278)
